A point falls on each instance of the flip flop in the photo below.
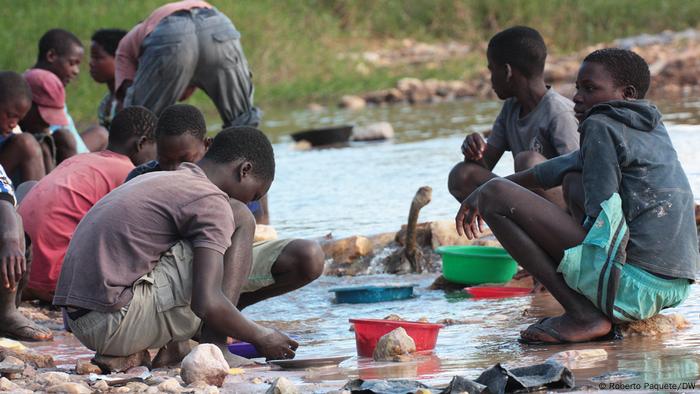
(11, 332)
(614, 334)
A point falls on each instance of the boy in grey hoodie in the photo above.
(636, 251)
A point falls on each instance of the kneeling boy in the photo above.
(162, 258)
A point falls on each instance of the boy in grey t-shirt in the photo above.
(535, 123)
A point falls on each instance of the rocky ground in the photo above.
(673, 57)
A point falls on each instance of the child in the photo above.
(20, 154)
(279, 266)
(52, 209)
(104, 45)
(535, 123)
(637, 251)
(14, 269)
(163, 258)
(48, 98)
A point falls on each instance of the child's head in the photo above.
(610, 74)
(181, 136)
(517, 52)
(133, 131)
(15, 100)
(60, 52)
(48, 101)
(249, 160)
(102, 50)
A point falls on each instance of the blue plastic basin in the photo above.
(369, 294)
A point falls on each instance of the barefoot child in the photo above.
(535, 124)
(52, 209)
(14, 270)
(279, 266)
(162, 258)
(637, 251)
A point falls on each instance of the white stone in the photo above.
(393, 344)
(205, 363)
(69, 388)
(52, 378)
(169, 386)
(374, 131)
(282, 385)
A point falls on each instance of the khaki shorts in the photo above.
(159, 311)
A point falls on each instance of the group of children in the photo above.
(147, 242)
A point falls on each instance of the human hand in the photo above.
(473, 147)
(274, 345)
(13, 265)
(468, 219)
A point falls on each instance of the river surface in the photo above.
(366, 188)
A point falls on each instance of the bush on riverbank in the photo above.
(294, 46)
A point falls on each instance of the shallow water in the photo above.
(367, 188)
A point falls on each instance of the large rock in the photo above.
(346, 250)
(444, 232)
(373, 132)
(11, 365)
(352, 102)
(69, 388)
(393, 344)
(205, 363)
(282, 385)
(29, 357)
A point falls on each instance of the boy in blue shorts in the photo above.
(636, 252)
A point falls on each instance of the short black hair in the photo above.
(13, 87)
(520, 46)
(108, 39)
(59, 40)
(131, 122)
(625, 67)
(179, 119)
(244, 142)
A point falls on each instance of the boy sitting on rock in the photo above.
(535, 124)
(162, 259)
(636, 253)
(279, 266)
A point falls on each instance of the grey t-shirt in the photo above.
(122, 237)
(550, 129)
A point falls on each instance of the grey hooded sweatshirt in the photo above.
(625, 149)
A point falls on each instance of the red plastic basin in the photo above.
(368, 332)
(497, 292)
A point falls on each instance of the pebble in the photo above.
(137, 387)
(203, 388)
(7, 385)
(52, 378)
(69, 388)
(169, 386)
(29, 371)
(282, 385)
(11, 365)
(100, 385)
(85, 367)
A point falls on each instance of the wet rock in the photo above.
(264, 232)
(205, 363)
(137, 387)
(52, 378)
(459, 385)
(69, 388)
(202, 388)
(352, 102)
(7, 385)
(29, 357)
(381, 241)
(170, 386)
(373, 132)
(100, 385)
(396, 342)
(85, 367)
(121, 364)
(423, 235)
(282, 385)
(657, 325)
(344, 251)
(11, 365)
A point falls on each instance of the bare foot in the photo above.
(120, 364)
(565, 329)
(17, 326)
(171, 354)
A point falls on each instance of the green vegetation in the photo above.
(293, 46)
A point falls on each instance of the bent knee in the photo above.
(27, 145)
(527, 159)
(308, 258)
(464, 178)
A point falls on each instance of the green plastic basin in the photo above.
(473, 265)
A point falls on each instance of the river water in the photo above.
(366, 189)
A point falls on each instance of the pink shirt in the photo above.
(129, 50)
(54, 206)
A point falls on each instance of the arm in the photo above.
(12, 262)
(211, 305)
(601, 152)
(477, 151)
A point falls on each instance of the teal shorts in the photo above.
(623, 292)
